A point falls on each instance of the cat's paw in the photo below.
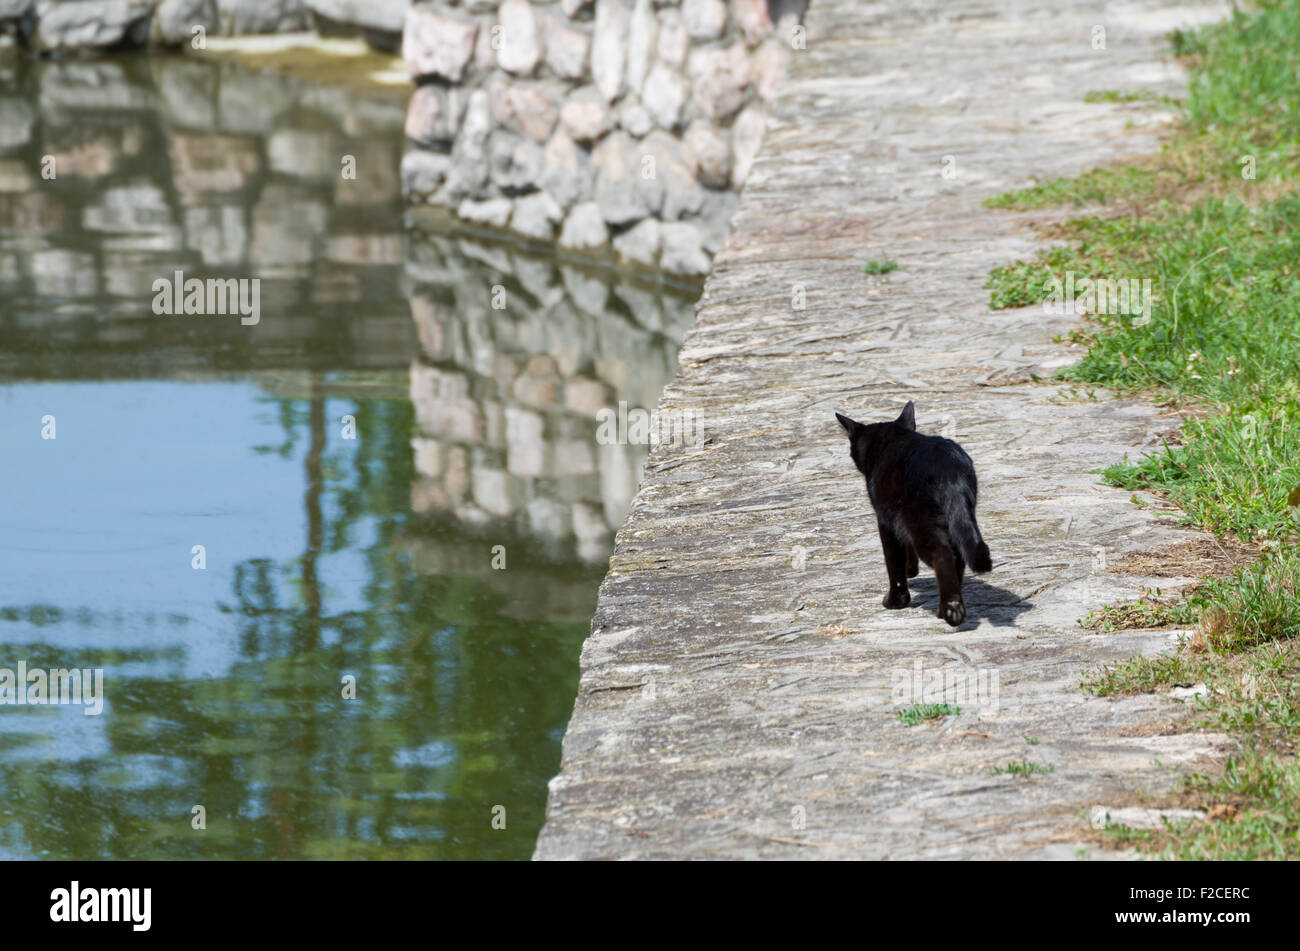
(954, 612)
(897, 598)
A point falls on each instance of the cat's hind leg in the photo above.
(948, 568)
(896, 565)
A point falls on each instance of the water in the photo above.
(355, 466)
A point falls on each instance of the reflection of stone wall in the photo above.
(506, 399)
(212, 170)
(531, 589)
(621, 126)
(52, 25)
(218, 171)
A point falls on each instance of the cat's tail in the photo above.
(965, 534)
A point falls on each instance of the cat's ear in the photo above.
(850, 426)
(907, 418)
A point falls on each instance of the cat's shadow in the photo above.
(984, 601)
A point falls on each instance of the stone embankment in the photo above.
(741, 685)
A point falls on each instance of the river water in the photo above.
(335, 565)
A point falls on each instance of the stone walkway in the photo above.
(740, 685)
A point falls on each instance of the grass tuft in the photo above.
(1021, 767)
(911, 716)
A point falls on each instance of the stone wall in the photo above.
(622, 128)
(52, 26)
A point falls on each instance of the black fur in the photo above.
(923, 489)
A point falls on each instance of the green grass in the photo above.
(1141, 675)
(1021, 767)
(1121, 836)
(1257, 605)
(880, 266)
(1213, 223)
(911, 716)
(1095, 187)
(1150, 610)
(1131, 95)
(1224, 271)
(1266, 827)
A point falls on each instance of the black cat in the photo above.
(923, 490)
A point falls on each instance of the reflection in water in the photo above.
(326, 556)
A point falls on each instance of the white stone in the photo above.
(682, 195)
(767, 67)
(640, 244)
(682, 251)
(753, 19)
(567, 50)
(624, 189)
(533, 111)
(674, 42)
(746, 137)
(584, 229)
(709, 154)
(641, 38)
(469, 157)
(520, 49)
(704, 19)
(664, 96)
(719, 77)
(423, 172)
(434, 45)
(536, 216)
(494, 212)
(174, 21)
(422, 115)
(609, 47)
(1136, 817)
(386, 16)
(634, 118)
(584, 115)
(99, 23)
(516, 164)
(566, 170)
